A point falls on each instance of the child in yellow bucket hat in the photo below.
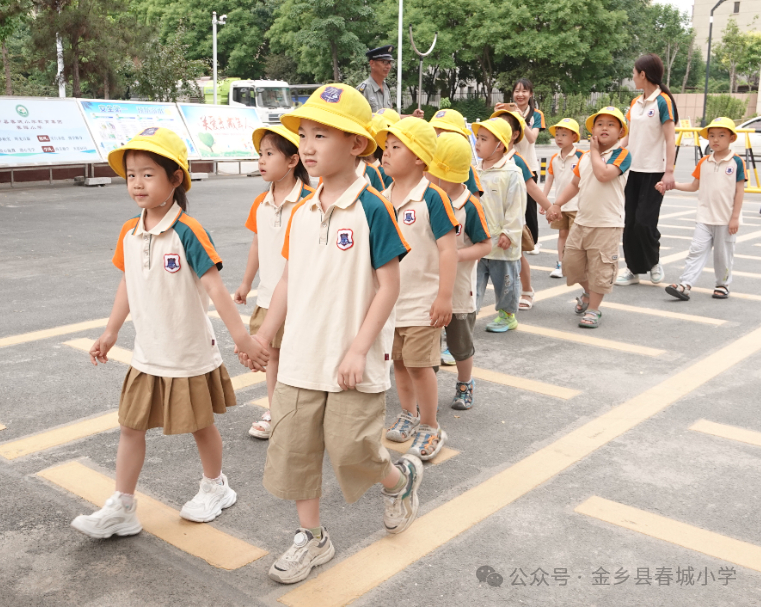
(341, 278)
(719, 180)
(424, 306)
(281, 167)
(504, 203)
(378, 123)
(449, 120)
(591, 251)
(560, 172)
(449, 170)
(176, 380)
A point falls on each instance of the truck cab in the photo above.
(271, 98)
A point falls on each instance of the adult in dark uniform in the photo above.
(375, 89)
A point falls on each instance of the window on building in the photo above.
(737, 7)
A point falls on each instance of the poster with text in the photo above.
(221, 132)
(40, 131)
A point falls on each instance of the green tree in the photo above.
(670, 35)
(165, 73)
(733, 51)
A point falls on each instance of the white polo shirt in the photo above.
(162, 268)
(425, 215)
(332, 261)
(647, 143)
(601, 205)
(718, 182)
(268, 221)
(471, 229)
(526, 149)
(561, 170)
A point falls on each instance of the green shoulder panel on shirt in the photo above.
(387, 181)
(374, 176)
(195, 252)
(664, 108)
(385, 238)
(527, 174)
(739, 168)
(440, 213)
(472, 184)
(622, 158)
(474, 226)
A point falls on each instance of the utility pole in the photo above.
(708, 64)
(59, 53)
(214, 23)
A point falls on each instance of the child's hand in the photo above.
(594, 143)
(441, 312)
(101, 347)
(542, 211)
(418, 113)
(734, 225)
(660, 187)
(351, 370)
(504, 242)
(241, 293)
(257, 351)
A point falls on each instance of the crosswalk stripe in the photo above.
(675, 237)
(742, 435)
(675, 532)
(14, 340)
(522, 383)
(674, 227)
(201, 540)
(662, 313)
(2, 427)
(683, 254)
(737, 273)
(753, 257)
(735, 294)
(442, 456)
(679, 214)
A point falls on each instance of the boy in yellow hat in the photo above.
(560, 172)
(719, 180)
(449, 170)
(504, 203)
(452, 121)
(424, 306)
(377, 124)
(339, 285)
(591, 252)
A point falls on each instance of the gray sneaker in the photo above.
(305, 552)
(403, 428)
(657, 274)
(401, 508)
(627, 278)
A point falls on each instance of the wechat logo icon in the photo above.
(22, 111)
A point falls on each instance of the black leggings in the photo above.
(532, 219)
(641, 236)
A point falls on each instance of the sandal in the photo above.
(263, 428)
(680, 291)
(591, 319)
(526, 302)
(721, 292)
(581, 305)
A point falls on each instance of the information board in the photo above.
(42, 131)
(114, 123)
(221, 132)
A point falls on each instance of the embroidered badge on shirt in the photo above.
(172, 262)
(345, 239)
(650, 113)
(408, 217)
(729, 170)
(331, 94)
(573, 166)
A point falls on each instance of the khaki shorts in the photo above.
(460, 336)
(565, 222)
(256, 322)
(592, 254)
(306, 423)
(417, 346)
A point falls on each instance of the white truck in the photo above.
(271, 98)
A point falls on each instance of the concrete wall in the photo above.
(690, 105)
(701, 10)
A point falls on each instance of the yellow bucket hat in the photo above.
(377, 124)
(521, 121)
(278, 129)
(159, 140)
(451, 162)
(567, 123)
(610, 111)
(723, 123)
(497, 127)
(450, 120)
(339, 106)
(416, 134)
(390, 115)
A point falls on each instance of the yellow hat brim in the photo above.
(520, 120)
(278, 129)
(555, 126)
(590, 122)
(446, 126)
(425, 155)
(116, 158)
(715, 125)
(478, 125)
(292, 120)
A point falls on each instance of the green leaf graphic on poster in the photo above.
(207, 139)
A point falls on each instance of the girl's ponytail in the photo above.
(652, 66)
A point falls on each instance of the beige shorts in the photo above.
(417, 346)
(565, 222)
(256, 322)
(592, 254)
(306, 423)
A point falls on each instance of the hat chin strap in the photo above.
(163, 204)
(284, 176)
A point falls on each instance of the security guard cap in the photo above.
(382, 53)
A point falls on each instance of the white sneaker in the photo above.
(404, 427)
(400, 509)
(537, 246)
(657, 274)
(627, 278)
(305, 552)
(113, 519)
(558, 271)
(209, 502)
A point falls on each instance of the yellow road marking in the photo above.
(548, 237)
(243, 317)
(261, 402)
(674, 227)
(675, 532)
(676, 237)
(197, 539)
(443, 455)
(662, 313)
(522, 383)
(753, 257)
(245, 380)
(710, 291)
(731, 432)
(116, 353)
(736, 273)
(2, 427)
(360, 573)
(15, 340)
(683, 254)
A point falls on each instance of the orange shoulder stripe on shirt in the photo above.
(621, 157)
(447, 204)
(118, 258)
(287, 240)
(201, 235)
(696, 172)
(631, 105)
(477, 178)
(669, 105)
(251, 221)
(391, 212)
(542, 123)
(549, 166)
(479, 207)
(576, 170)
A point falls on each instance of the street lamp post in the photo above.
(214, 23)
(708, 63)
(399, 60)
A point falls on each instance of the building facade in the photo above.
(747, 13)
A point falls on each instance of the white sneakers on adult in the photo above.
(627, 278)
(209, 502)
(657, 274)
(113, 519)
(306, 552)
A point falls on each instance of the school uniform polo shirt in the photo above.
(528, 150)
(647, 143)
(472, 228)
(268, 221)
(601, 205)
(332, 258)
(716, 193)
(424, 216)
(168, 304)
(372, 174)
(473, 183)
(561, 170)
(520, 162)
